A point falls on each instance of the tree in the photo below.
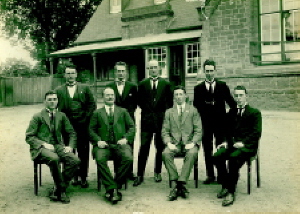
(50, 24)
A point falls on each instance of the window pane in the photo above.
(159, 54)
(267, 6)
(270, 27)
(193, 60)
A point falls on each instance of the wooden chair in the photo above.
(249, 170)
(182, 155)
(99, 180)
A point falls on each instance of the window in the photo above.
(192, 57)
(159, 54)
(280, 30)
(115, 6)
(159, 1)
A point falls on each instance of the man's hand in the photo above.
(189, 146)
(223, 145)
(122, 141)
(239, 145)
(68, 149)
(102, 144)
(171, 146)
(48, 146)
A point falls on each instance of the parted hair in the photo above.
(209, 62)
(241, 87)
(50, 92)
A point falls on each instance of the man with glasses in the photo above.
(210, 97)
(154, 98)
(125, 95)
(77, 102)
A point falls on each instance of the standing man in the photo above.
(77, 102)
(44, 135)
(210, 97)
(181, 133)
(125, 95)
(154, 98)
(111, 131)
(244, 126)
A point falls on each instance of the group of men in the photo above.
(70, 121)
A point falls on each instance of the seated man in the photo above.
(181, 132)
(244, 126)
(44, 135)
(111, 129)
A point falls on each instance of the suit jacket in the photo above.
(152, 112)
(221, 96)
(247, 129)
(188, 130)
(128, 99)
(39, 132)
(86, 99)
(123, 126)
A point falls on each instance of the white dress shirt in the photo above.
(120, 87)
(242, 107)
(153, 82)
(178, 108)
(107, 109)
(207, 84)
(71, 90)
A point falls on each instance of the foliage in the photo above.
(19, 68)
(50, 24)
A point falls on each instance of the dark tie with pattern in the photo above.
(52, 121)
(154, 88)
(239, 114)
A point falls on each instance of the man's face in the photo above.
(209, 71)
(153, 68)
(120, 72)
(51, 101)
(70, 75)
(179, 96)
(240, 97)
(109, 96)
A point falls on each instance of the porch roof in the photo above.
(128, 43)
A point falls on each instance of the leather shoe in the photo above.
(157, 177)
(64, 198)
(223, 193)
(131, 177)
(173, 194)
(116, 196)
(138, 180)
(75, 182)
(84, 184)
(228, 200)
(209, 180)
(183, 192)
(53, 194)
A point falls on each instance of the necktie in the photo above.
(211, 91)
(52, 121)
(154, 80)
(120, 83)
(180, 113)
(239, 114)
(111, 112)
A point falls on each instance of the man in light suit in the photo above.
(154, 98)
(243, 131)
(44, 135)
(77, 102)
(111, 131)
(181, 133)
(210, 99)
(125, 94)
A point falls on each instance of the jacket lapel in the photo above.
(116, 114)
(159, 90)
(185, 112)
(45, 116)
(125, 90)
(175, 115)
(104, 115)
(115, 88)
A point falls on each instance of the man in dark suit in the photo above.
(125, 94)
(210, 97)
(44, 135)
(154, 98)
(244, 126)
(77, 102)
(181, 133)
(111, 131)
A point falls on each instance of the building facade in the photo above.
(255, 43)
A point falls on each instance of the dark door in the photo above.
(176, 65)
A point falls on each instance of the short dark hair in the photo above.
(179, 87)
(120, 63)
(209, 62)
(240, 87)
(50, 93)
(71, 66)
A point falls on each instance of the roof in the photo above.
(128, 43)
(104, 26)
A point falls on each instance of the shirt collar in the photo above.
(71, 84)
(210, 82)
(243, 107)
(182, 105)
(107, 107)
(49, 111)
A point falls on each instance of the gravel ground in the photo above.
(279, 192)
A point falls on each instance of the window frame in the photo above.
(186, 62)
(165, 73)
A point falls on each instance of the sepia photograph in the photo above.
(149, 106)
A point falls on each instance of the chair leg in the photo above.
(196, 173)
(35, 177)
(249, 176)
(40, 174)
(257, 172)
